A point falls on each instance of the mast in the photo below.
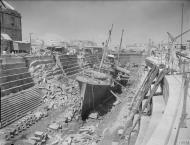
(0, 34)
(120, 46)
(106, 47)
(182, 25)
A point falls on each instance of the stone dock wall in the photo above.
(18, 92)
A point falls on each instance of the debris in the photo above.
(67, 141)
(50, 106)
(39, 137)
(120, 132)
(55, 142)
(38, 133)
(38, 115)
(115, 143)
(93, 115)
(54, 126)
(29, 142)
(87, 129)
(116, 102)
(94, 143)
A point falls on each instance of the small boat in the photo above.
(94, 89)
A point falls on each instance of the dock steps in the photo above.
(17, 105)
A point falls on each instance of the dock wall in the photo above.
(18, 92)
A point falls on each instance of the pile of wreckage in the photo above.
(54, 136)
(58, 91)
(86, 135)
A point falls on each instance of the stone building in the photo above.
(10, 21)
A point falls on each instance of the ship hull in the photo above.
(92, 95)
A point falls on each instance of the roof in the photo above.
(5, 36)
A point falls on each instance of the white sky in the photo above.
(90, 20)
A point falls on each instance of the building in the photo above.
(10, 21)
(82, 43)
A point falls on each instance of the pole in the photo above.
(182, 25)
(161, 50)
(106, 47)
(0, 33)
(120, 46)
(1, 18)
(30, 35)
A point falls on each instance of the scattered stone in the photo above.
(116, 102)
(93, 115)
(54, 126)
(38, 115)
(50, 106)
(94, 143)
(87, 129)
(35, 138)
(44, 97)
(55, 142)
(38, 133)
(120, 132)
(52, 96)
(28, 142)
(67, 141)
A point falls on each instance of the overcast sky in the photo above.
(88, 20)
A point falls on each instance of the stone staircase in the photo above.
(18, 94)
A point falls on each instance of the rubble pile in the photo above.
(85, 136)
(58, 91)
(22, 124)
(41, 52)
